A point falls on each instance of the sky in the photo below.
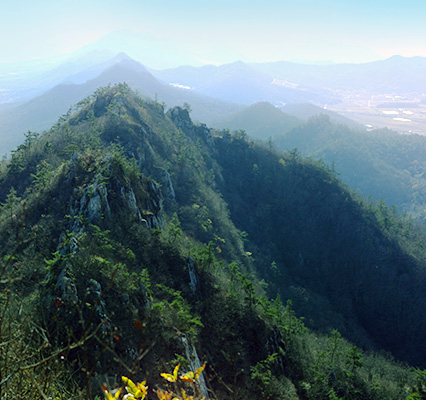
(215, 32)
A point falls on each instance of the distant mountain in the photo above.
(39, 113)
(20, 82)
(260, 120)
(150, 50)
(305, 111)
(282, 83)
(279, 83)
(85, 67)
(26, 79)
(241, 83)
(397, 73)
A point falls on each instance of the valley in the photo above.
(388, 93)
(403, 113)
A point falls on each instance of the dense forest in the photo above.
(380, 163)
(136, 242)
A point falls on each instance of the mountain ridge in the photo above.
(37, 114)
(122, 185)
(260, 120)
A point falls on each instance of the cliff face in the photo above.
(151, 241)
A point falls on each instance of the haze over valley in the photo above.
(388, 93)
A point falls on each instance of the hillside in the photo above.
(306, 111)
(260, 120)
(135, 241)
(382, 164)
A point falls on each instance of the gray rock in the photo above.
(68, 290)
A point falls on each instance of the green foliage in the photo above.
(176, 311)
(54, 262)
(354, 361)
(418, 390)
(240, 135)
(187, 107)
(382, 164)
(11, 200)
(205, 256)
(262, 377)
(108, 288)
(145, 279)
(42, 176)
(289, 323)
(325, 241)
(202, 217)
(174, 229)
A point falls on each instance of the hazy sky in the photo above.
(220, 31)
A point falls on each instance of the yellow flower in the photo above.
(170, 377)
(138, 391)
(193, 376)
(109, 395)
(165, 395)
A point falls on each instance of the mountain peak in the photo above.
(121, 56)
(122, 68)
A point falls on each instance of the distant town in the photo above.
(403, 113)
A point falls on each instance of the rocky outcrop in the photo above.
(193, 280)
(95, 204)
(195, 363)
(128, 197)
(155, 207)
(167, 186)
(182, 120)
(67, 289)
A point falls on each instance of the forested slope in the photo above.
(382, 163)
(134, 240)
